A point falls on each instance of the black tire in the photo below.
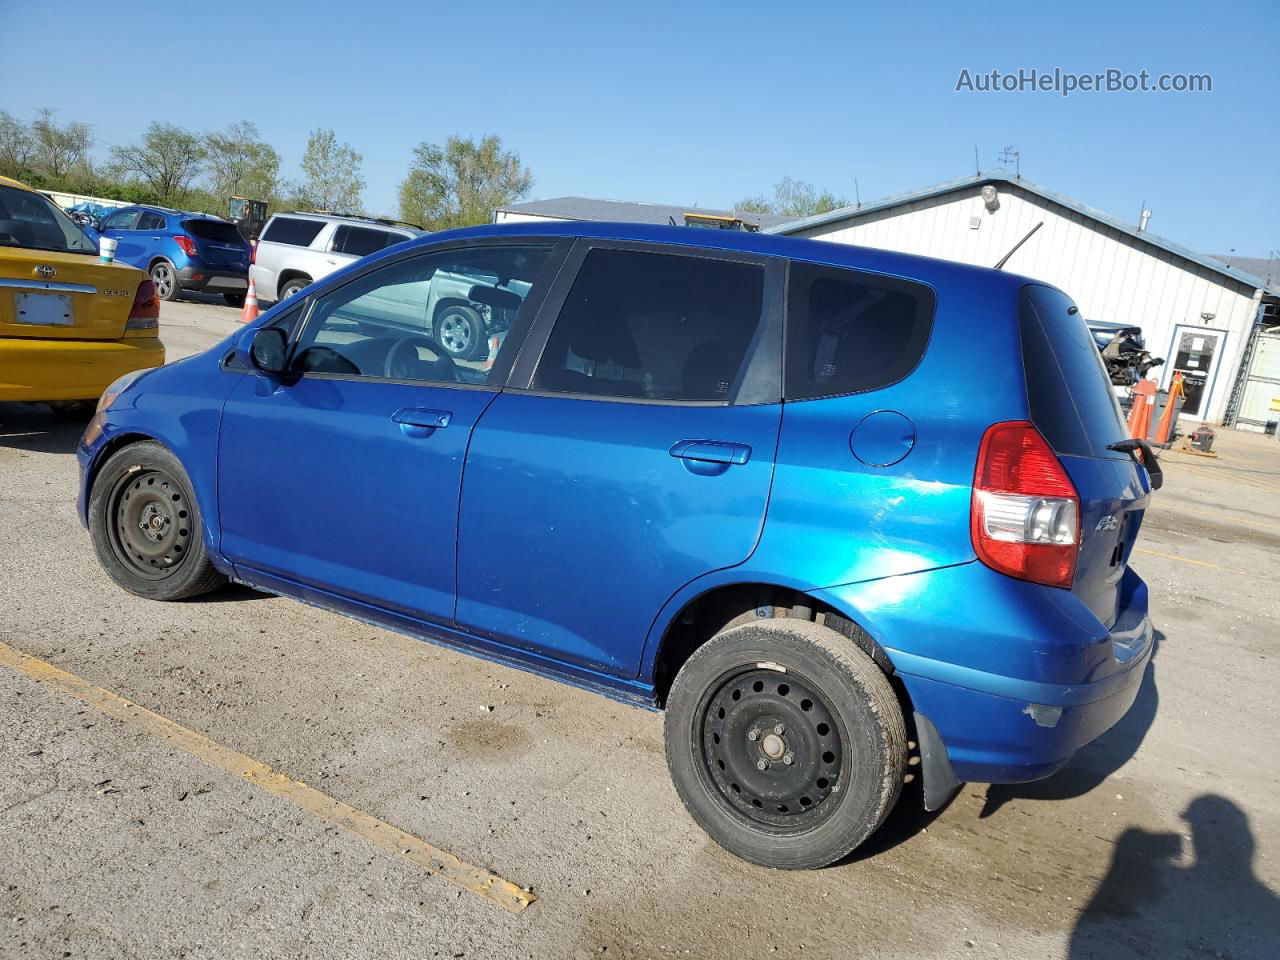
(234, 299)
(841, 725)
(165, 277)
(460, 330)
(144, 483)
(73, 411)
(291, 287)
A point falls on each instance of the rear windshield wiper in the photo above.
(1148, 458)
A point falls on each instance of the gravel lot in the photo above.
(1161, 840)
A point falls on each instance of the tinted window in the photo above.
(654, 326)
(124, 220)
(377, 325)
(31, 220)
(150, 221)
(361, 241)
(213, 230)
(292, 230)
(1068, 390)
(848, 332)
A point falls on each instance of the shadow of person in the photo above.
(1149, 904)
(1097, 760)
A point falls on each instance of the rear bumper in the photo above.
(1014, 678)
(52, 370)
(213, 281)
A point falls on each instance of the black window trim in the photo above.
(518, 334)
(764, 368)
(862, 271)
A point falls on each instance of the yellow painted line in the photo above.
(1174, 556)
(381, 834)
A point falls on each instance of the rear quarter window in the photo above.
(849, 332)
(362, 241)
(1069, 394)
(292, 230)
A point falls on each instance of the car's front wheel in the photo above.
(786, 743)
(459, 329)
(145, 525)
(166, 280)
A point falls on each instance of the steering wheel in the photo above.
(404, 354)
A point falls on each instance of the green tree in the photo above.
(60, 148)
(167, 159)
(241, 164)
(331, 172)
(461, 183)
(17, 146)
(794, 198)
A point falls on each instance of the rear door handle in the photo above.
(711, 451)
(421, 422)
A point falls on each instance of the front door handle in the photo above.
(710, 457)
(421, 422)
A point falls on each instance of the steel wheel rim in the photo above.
(162, 277)
(805, 766)
(150, 524)
(289, 291)
(455, 332)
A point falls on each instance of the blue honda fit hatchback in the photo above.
(826, 506)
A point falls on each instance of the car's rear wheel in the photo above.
(459, 329)
(786, 743)
(234, 299)
(166, 280)
(291, 287)
(145, 525)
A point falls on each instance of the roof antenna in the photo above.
(1005, 258)
(1007, 154)
(977, 168)
(856, 194)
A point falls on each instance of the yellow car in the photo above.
(69, 324)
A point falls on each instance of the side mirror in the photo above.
(265, 350)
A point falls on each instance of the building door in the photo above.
(1195, 355)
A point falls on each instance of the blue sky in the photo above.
(698, 102)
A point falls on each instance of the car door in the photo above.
(344, 475)
(121, 226)
(634, 457)
(150, 236)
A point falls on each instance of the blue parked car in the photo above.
(821, 504)
(181, 251)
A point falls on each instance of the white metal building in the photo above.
(1195, 310)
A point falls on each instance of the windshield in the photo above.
(31, 220)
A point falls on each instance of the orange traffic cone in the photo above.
(1165, 426)
(1144, 398)
(249, 312)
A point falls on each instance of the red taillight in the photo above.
(186, 243)
(1025, 512)
(145, 312)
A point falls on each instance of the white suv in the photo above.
(297, 248)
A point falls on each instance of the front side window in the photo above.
(124, 220)
(362, 241)
(32, 220)
(654, 326)
(294, 231)
(849, 332)
(385, 324)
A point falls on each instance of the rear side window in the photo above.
(1068, 390)
(213, 230)
(654, 326)
(151, 221)
(361, 241)
(848, 332)
(292, 230)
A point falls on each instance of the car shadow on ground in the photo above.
(34, 429)
(1165, 897)
(1096, 761)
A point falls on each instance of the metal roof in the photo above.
(626, 211)
(1001, 177)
